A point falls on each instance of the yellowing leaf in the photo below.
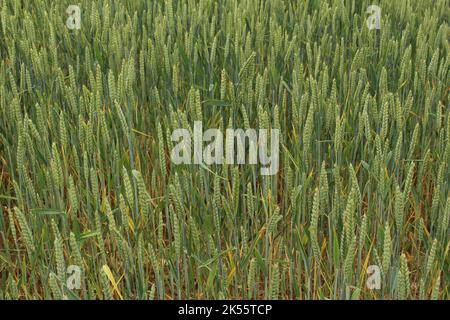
(113, 281)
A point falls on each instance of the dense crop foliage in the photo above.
(86, 177)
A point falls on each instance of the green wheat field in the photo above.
(88, 188)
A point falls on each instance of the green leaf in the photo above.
(336, 251)
(88, 234)
(2, 196)
(217, 103)
(43, 211)
(211, 276)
